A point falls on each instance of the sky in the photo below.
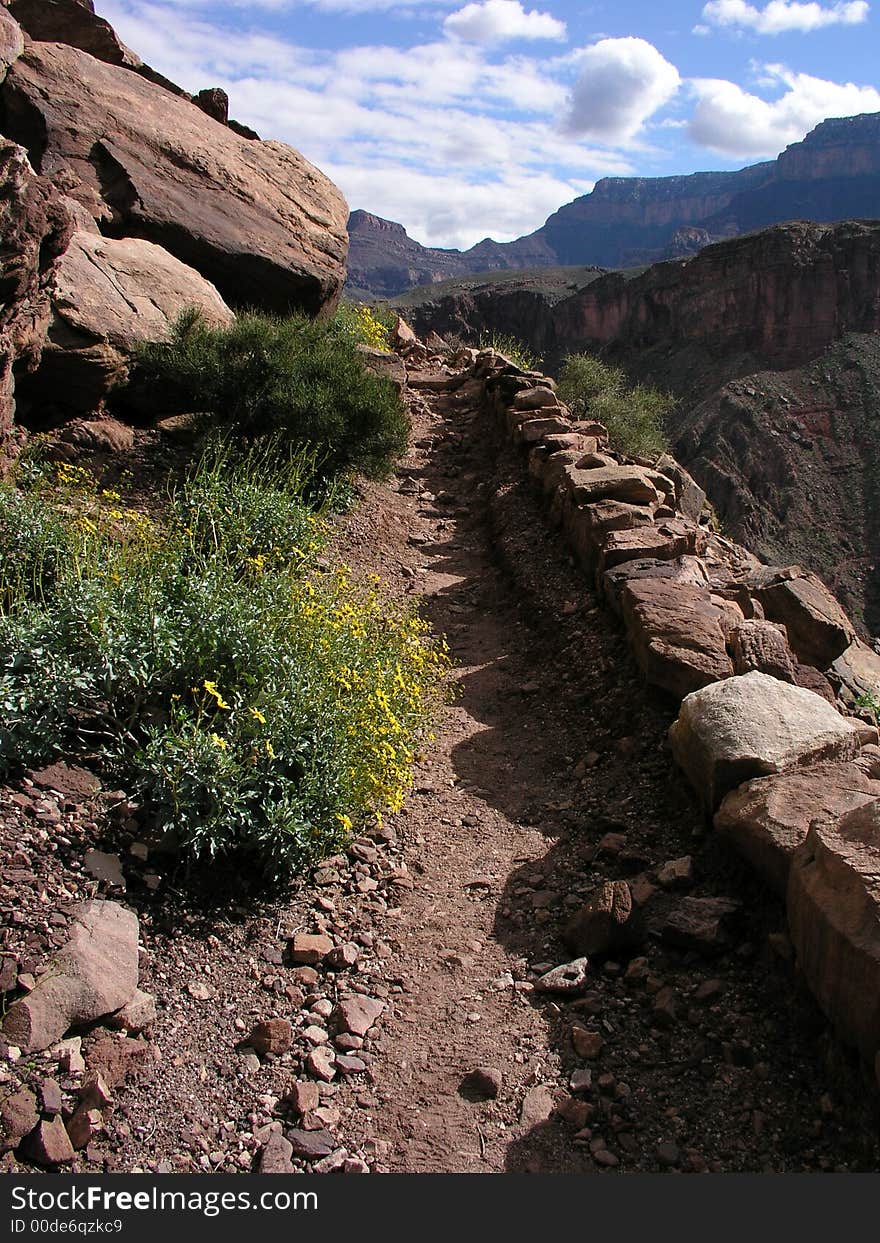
(470, 120)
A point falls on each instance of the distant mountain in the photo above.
(834, 174)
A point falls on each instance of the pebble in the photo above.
(570, 977)
(271, 1036)
(484, 1082)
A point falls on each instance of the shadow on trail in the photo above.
(574, 745)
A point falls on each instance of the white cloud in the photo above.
(453, 142)
(622, 83)
(781, 16)
(734, 122)
(495, 21)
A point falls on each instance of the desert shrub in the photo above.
(253, 702)
(298, 377)
(364, 325)
(511, 347)
(635, 417)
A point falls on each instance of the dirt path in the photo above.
(549, 773)
(552, 746)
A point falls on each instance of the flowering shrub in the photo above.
(252, 701)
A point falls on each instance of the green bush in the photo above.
(511, 347)
(635, 417)
(299, 377)
(254, 703)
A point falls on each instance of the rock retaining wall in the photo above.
(767, 667)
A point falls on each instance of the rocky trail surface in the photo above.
(341, 1028)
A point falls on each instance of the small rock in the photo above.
(137, 1014)
(357, 1015)
(95, 1093)
(708, 990)
(84, 1126)
(303, 1097)
(308, 949)
(8, 974)
(668, 1154)
(105, 868)
(537, 1106)
(348, 1064)
(344, 956)
(200, 990)
(581, 1080)
(19, 1115)
(322, 1063)
(606, 1157)
(483, 1083)
(275, 1157)
(665, 1009)
(570, 977)
(586, 1043)
(49, 1144)
(311, 1145)
(271, 1036)
(677, 873)
(51, 1101)
(69, 1055)
(700, 924)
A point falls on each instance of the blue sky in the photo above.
(478, 119)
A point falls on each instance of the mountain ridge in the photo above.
(832, 174)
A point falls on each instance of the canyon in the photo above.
(625, 222)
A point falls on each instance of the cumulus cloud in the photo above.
(495, 21)
(782, 16)
(734, 122)
(453, 142)
(622, 83)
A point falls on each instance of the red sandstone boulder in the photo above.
(834, 921)
(676, 634)
(767, 819)
(254, 218)
(753, 725)
(818, 629)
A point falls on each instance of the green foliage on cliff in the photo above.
(635, 417)
(301, 378)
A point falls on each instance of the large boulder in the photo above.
(767, 819)
(109, 295)
(11, 42)
(856, 672)
(35, 228)
(834, 921)
(635, 485)
(818, 628)
(676, 633)
(74, 22)
(254, 218)
(753, 725)
(94, 974)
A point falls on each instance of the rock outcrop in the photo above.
(107, 296)
(256, 219)
(35, 228)
(171, 206)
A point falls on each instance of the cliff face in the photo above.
(772, 343)
(834, 174)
